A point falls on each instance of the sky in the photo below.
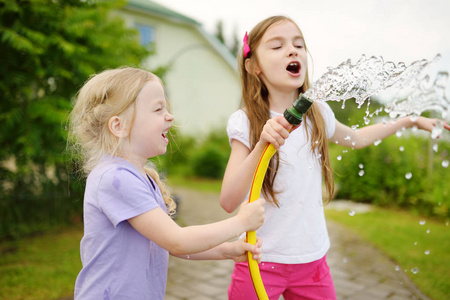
(334, 31)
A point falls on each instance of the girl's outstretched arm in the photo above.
(243, 162)
(157, 226)
(366, 136)
(235, 250)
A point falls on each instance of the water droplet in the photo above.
(422, 222)
(361, 166)
(415, 270)
(318, 155)
(188, 257)
(399, 133)
(435, 148)
(445, 163)
(348, 138)
(437, 130)
(414, 129)
(408, 175)
(366, 121)
(397, 268)
(413, 118)
(353, 143)
(339, 157)
(273, 267)
(361, 173)
(344, 151)
(316, 142)
(415, 243)
(427, 252)
(377, 142)
(428, 231)
(401, 148)
(351, 213)
(345, 260)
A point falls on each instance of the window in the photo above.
(146, 34)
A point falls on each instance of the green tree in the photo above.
(235, 44)
(47, 51)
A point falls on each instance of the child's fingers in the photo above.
(275, 132)
(259, 242)
(283, 122)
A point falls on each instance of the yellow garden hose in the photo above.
(255, 192)
(294, 115)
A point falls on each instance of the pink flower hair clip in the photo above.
(246, 46)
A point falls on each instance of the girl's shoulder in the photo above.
(238, 114)
(238, 127)
(327, 115)
(111, 167)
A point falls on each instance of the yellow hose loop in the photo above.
(255, 192)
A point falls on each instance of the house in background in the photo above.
(202, 84)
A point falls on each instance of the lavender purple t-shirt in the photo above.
(119, 262)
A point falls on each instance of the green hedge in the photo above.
(386, 169)
(188, 156)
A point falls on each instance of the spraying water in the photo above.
(416, 90)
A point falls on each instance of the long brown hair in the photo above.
(255, 102)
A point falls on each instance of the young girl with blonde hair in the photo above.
(274, 70)
(119, 121)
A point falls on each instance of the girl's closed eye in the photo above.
(160, 107)
(275, 45)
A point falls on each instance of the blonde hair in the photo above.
(107, 94)
(256, 105)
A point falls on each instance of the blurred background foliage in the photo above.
(408, 170)
(47, 51)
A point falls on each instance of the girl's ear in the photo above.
(116, 126)
(252, 67)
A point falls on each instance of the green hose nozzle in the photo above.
(294, 114)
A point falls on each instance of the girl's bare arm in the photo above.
(366, 136)
(243, 162)
(236, 250)
(157, 226)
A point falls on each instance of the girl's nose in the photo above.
(293, 51)
(169, 117)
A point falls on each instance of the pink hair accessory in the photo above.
(246, 47)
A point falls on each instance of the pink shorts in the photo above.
(293, 281)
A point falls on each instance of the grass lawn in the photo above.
(420, 246)
(40, 267)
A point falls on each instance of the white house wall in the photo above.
(202, 87)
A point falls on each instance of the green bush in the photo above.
(381, 174)
(188, 156)
(210, 161)
(211, 157)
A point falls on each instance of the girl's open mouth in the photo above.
(164, 134)
(293, 67)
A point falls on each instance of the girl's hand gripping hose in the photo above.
(294, 115)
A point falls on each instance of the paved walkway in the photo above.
(359, 271)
